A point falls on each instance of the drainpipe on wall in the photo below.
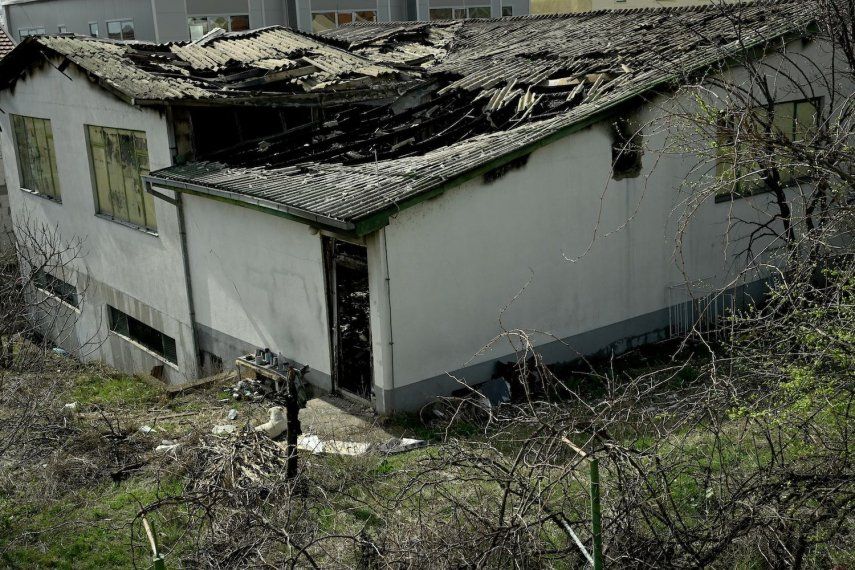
(388, 371)
(182, 236)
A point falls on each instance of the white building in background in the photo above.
(291, 208)
(181, 20)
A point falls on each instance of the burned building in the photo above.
(385, 201)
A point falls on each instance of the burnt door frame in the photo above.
(328, 245)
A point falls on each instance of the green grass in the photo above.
(86, 529)
(113, 390)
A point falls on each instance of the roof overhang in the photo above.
(234, 198)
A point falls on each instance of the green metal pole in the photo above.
(596, 515)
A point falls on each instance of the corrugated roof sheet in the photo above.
(511, 82)
(271, 61)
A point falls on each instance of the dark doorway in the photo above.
(347, 297)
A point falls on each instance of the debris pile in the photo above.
(267, 378)
(242, 462)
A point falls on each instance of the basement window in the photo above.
(507, 11)
(627, 149)
(36, 156)
(119, 161)
(139, 332)
(56, 287)
(93, 29)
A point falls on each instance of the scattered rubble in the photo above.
(224, 429)
(233, 414)
(316, 445)
(277, 424)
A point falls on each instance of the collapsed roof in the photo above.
(451, 100)
(265, 66)
(499, 89)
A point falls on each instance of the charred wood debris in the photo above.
(375, 91)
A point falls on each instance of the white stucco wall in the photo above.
(138, 272)
(579, 250)
(259, 278)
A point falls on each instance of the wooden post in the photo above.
(157, 562)
(596, 515)
(292, 411)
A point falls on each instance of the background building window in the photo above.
(507, 11)
(121, 30)
(93, 29)
(62, 29)
(151, 338)
(459, 12)
(119, 160)
(27, 32)
(328, 20)
(201, 25)
(56, 287)
(36, 155)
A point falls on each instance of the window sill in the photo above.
(42, 195)
(50, 295)
(127, 225)
(737, 195)
(147, 350)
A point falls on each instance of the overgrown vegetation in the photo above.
(733, 450)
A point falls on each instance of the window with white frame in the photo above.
(36, 155)
(119, 161)
(459, 12)
(27, 32)
(121, 30)
(332, 19)
(201, 25)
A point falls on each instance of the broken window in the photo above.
(627, 149)
(36, 155)
(139, 332)
(56, 287)
(201, 25)
(792, 121)
(121, 30)
(119, 160)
